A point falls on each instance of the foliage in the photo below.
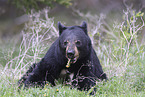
(27, 5)
(37, 33)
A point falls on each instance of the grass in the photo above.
(121, 55)
(116, 86)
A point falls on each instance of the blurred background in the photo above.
(13, 13)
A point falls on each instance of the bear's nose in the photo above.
(70, 54)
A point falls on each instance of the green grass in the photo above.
(115, 86)
(122, 58)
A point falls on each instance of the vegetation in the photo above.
(119, 48)
(27, 5)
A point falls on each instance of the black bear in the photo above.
(72, 52)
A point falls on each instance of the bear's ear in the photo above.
(61, 27)
(84, 27)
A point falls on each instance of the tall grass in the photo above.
(121, 54)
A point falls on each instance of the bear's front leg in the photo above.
(86, 82)
(84, 79)
(39, 76)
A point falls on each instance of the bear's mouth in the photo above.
(71, 61)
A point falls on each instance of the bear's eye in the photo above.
(78, 43)
(65, 43)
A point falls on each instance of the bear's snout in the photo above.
(70, 54)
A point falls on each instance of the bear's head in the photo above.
(74, 41)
